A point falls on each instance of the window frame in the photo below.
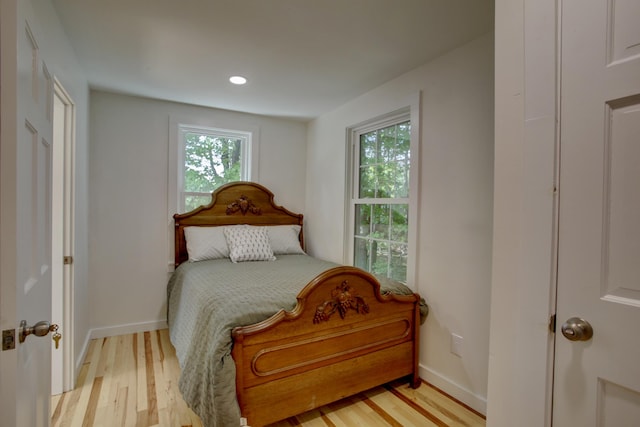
(245, 156)
(175, 176)
(410, 113)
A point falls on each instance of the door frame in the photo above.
(65, 305)
(527, 150)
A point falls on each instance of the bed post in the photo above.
(236, 353)
(415, 377)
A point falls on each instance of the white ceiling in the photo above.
(302, 57)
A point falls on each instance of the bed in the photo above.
(273, 338)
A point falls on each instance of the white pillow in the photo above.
(206, 243)
(284, 239)
(248, 244)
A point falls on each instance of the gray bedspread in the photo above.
(206, 300)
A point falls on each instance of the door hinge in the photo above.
(552, 324)
(8, 339)
(68, 260)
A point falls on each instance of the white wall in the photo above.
(128, 202)
(456, 197)
(62, 63)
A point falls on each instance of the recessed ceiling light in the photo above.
(237, 80)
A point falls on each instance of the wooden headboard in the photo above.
(232, 204)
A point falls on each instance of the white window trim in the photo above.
(177, 127)
(409, 112)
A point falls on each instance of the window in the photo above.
(203, 155)
(381, 210)
(209, 158)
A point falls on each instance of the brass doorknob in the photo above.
(40, 329)
(577, 329)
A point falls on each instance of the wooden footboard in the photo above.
(343, 337)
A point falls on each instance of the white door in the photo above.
(597, 381)
(25, 216)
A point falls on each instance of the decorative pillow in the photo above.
(248, 244)
(206, 243)
(285, 239)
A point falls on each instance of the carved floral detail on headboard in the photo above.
(244, 205)
(342, 300)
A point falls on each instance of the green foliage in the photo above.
(192, 201)
(381, 258)
(381, 229)
(209, 162)
(384, 162)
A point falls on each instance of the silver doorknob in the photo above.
(40, 329)
(577, 329)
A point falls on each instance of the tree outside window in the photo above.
(211, 159)
(381, 205)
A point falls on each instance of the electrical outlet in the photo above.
(456, 344)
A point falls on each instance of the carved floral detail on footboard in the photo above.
(342, 300)
(244, 205)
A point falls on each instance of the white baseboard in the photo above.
(474, 401)
(130, 328)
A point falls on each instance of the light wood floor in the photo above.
(132, 380)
